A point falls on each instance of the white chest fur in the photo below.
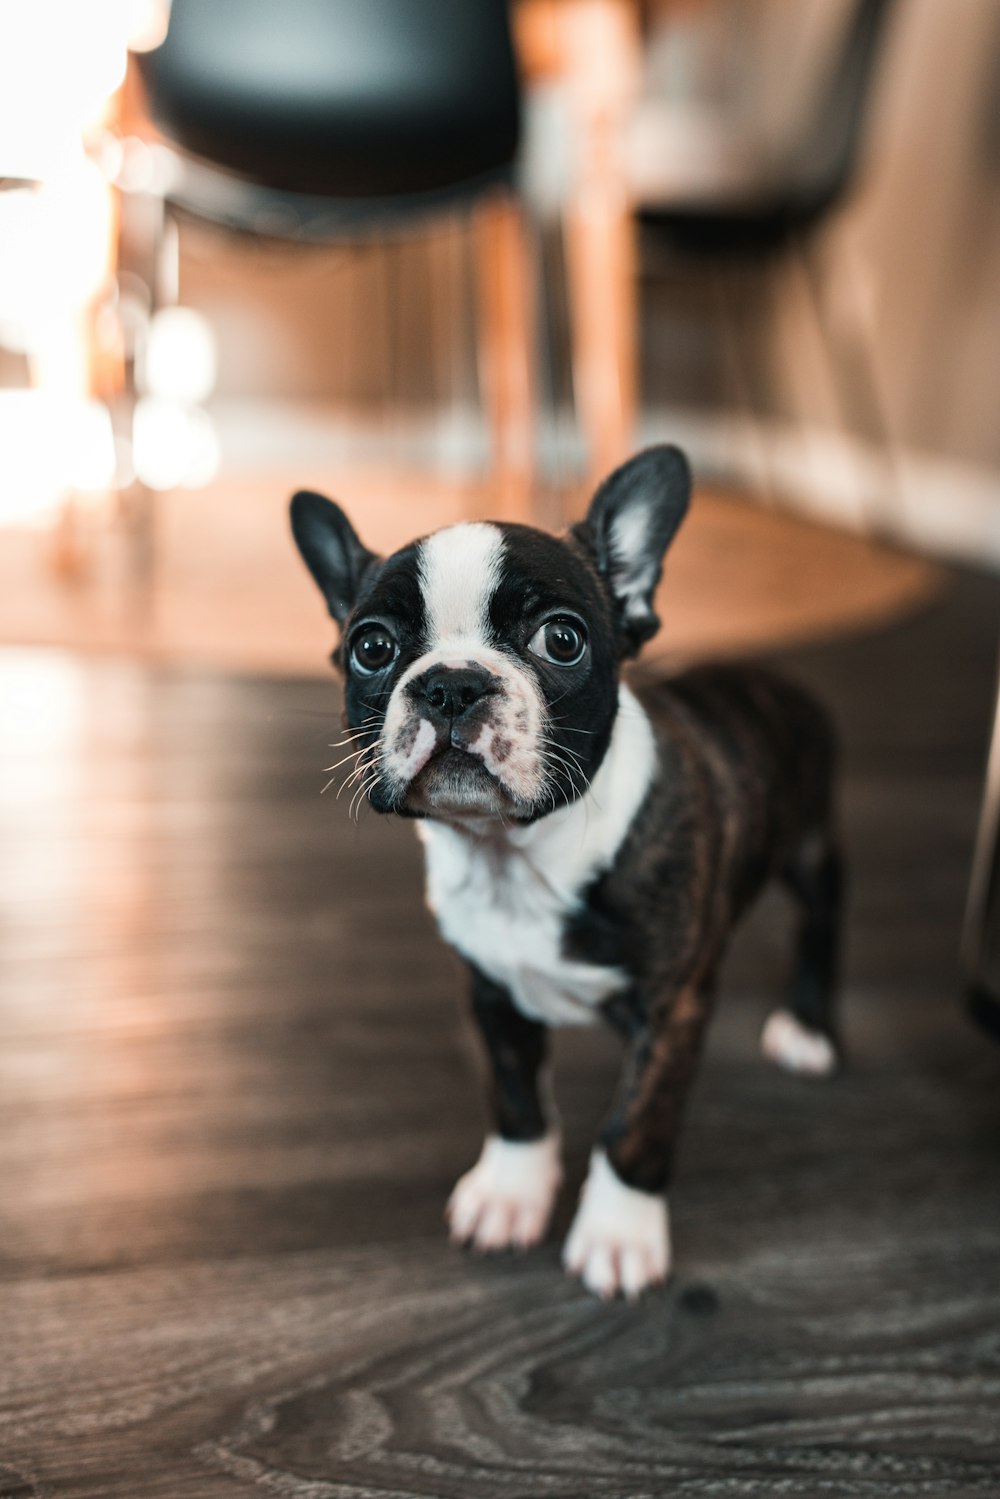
(502, 896)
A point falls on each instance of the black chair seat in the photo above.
(794, 194)
(740, 226)
(207, 194)
(336, 98)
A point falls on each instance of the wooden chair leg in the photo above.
(600, 255)
(506, 348)
(602, 47)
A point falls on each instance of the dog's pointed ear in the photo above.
(632, 520)
(329, 544)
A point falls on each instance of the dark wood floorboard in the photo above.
(235, 1089)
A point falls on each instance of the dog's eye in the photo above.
(373, 650)
(561, 641)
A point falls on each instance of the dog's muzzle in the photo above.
(463, 733)
(454, 701)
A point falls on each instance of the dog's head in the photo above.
(481, 663)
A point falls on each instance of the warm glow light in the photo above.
(49, 445)
(60, 60)
(180, 363)
(54, 252)
(44, 704)
(173, 445)
(88, 443)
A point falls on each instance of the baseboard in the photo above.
(941, 506)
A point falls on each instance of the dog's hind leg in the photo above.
(803, 1036)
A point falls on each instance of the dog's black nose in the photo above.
(451, 691)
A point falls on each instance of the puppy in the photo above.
(588, 847)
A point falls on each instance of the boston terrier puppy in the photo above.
(588, 847)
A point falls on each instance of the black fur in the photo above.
(332, 551)
(743, 795)
(517, 1048)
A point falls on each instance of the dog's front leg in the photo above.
(506, 1200)
(620, 1237)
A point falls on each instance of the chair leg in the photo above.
(735, 356)
(983, 903)
(600, 42)
(844, 319)
(390, 408)
(67, 364)
(160, 239)
(558, 500)
(506, 346)
(601, 266)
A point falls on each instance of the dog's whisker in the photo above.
(583, 791)
(564, 750)
(350, 809)
(359, 772)
(351, 735)
(568, 728)
(362, 792)
(307, 713)
(555, 756)
(358, 757)
(582, 787)
(350, 738)
(347, 781)
(344, 759)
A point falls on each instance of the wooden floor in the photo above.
(230, 592)
(235, 1089)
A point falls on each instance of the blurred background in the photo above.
(444, 260)
(766, 232)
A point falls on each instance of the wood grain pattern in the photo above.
(235, 1089)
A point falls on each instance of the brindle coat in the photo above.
(742, 794)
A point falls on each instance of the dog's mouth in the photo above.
(455, 781)
(457, 759)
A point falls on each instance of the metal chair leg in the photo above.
(849, 339)
(726, 297)
(983, 904)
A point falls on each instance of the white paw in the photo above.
(620, 1238)
(795, 1047)
(506, 1200)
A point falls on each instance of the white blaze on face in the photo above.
(459, 572)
